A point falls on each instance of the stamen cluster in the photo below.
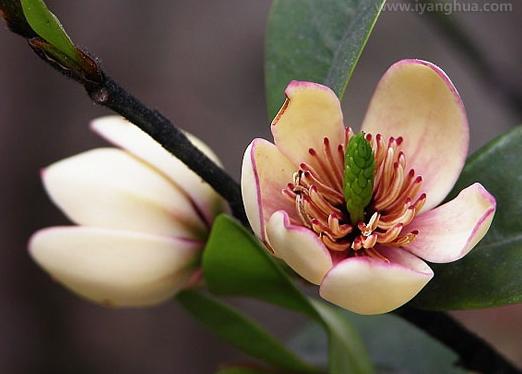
(317, 190)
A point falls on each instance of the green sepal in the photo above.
(359, 169)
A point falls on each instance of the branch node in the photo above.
(100, 96)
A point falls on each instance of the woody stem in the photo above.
(475, 354)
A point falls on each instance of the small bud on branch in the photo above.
(86, 70)
(51, 44)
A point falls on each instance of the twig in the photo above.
(113, 96)
(474, 353)
(87, 71)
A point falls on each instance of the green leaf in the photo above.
(48, 27)
(343, 341)
(318, 41)
(394, 345)
(241, 332)
(235, 264)
(359, 168)
(490, 275)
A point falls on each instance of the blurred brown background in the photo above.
(200, 62)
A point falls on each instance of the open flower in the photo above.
(142, 215)
(293, 191)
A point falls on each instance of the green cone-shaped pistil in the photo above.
(359, 169)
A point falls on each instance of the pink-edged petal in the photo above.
(113, 267)
(450, 231)
(299, 247)
(265, 172)
(368, 285)
(109, 188)
(416, 100)
(124, 134)
(310, 113)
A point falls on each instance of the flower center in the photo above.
(317, 190)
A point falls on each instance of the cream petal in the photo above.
(450, 231)
(299, 247)
(367, 285)
(113, 267)
(416, 100)
(265, 172)
(109, 188)
(124, 134)
(310, 113)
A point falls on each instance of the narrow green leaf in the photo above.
(241, 332)
(491, 274)
(394, 345)
(48, 27)
(359, 168)
(343, 340)
(235, 264)
(318, 41)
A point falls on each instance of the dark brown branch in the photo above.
(474, 353)
(87, 71)
(110, 94)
